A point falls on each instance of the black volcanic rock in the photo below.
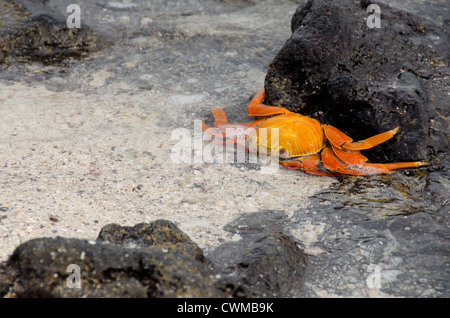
(31, 31)
(367, 80)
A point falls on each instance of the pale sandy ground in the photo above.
(72, 162)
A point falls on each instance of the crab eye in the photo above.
(282, 152)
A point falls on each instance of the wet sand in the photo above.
(72, 163)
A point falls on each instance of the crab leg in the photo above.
(219, 137)
(349, 156)
(341, 140)
(333, 163)
(220, 119)
(221, 124)
(309, 164)
(255, 108)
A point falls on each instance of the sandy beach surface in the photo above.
(73, 162)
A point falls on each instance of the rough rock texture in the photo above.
(39, 268)
(405, 255)
(31, 32)
(152, 260)
(269, 263)
(161, 233)
(365, 81)
(368, 80)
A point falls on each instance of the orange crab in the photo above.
(303, 142)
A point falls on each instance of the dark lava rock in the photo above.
(30, 31)
(266, 221)
(367, 80)
(269, 263)
(152, 260)
(160, 233)
(410, 252)
(40, 269)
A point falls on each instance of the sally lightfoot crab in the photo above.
(303, 142)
